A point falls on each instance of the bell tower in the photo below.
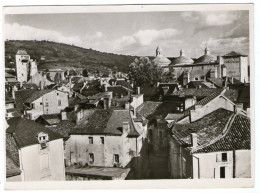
(22, 65)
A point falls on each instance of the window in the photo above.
(224, 157)
(222, 172)
(91, 157)
(57, 94)
(33, 106)
(46, 104)
(40, 103)
(116, 158)
(59, 102)
(90, 139)
(102, 140)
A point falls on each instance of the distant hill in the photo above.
(59, 55)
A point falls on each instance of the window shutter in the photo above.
(218, 157)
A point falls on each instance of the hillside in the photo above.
(59, 55)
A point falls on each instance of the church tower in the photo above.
(158, 51)
(22, 65)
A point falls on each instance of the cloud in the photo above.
(190, 16)
(20, 32)
(214, 19)
(143, 38)
(224, 45)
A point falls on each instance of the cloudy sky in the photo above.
(138, 33)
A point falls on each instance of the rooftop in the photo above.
(97, 171)
(106, 122)
(25, 131)
(37, 94)
(190, 92)
(207, 128)
(237, 136)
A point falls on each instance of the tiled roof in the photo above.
(51, 119)
(124, 84)
(12, 169)
(108, 122)
(25, 131)
(161, 60)
(29, 86)
(21, 52)
(7, 75)
(216, 81)
(63, 128)
(207, 128)
(200, 93)
(37, 94)
(196, 84)
(233, 54)
(206, 58)
(118, 91)
(182, 60)
(236, 137)
(21, 96)
(8, 98)
(150, 109)
(209, 98)
(147, 108)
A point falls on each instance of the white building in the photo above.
(37, 151)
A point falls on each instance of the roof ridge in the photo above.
(223, 134)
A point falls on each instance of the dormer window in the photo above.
(43, 138)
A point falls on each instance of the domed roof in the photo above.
(207, 57)
(160, 60)
(182, 59)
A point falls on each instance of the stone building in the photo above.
(215, 146)
(41, 102)
(37, 152)
(25, 67)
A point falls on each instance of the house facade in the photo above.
(37, 151)
(44, 102)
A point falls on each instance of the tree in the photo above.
(143, 71)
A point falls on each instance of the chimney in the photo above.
(194, 140)
(132, 85)
(126, 128)
(238, 108)
(64, 115)
(232, 80)
(105, 86)
(107, 102)
(157, 84)
(127, 106)
(21, 85)
(62, 75)
(13, 91)
(138, 90)
(165, 90)
(248, 112)
(226, 82)
(75, 107)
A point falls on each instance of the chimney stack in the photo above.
(127, 106)
(64, 115)
(138, 90)
(107, 102)
(194, 140)
(232, 80)
(238, 108)
(165, 90)
(126, 128)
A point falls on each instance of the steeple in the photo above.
(158, 50)
(207, 52)
(182, 52)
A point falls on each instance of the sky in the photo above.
(138, 33)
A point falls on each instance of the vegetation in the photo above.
(59, 55)
(145, 72)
